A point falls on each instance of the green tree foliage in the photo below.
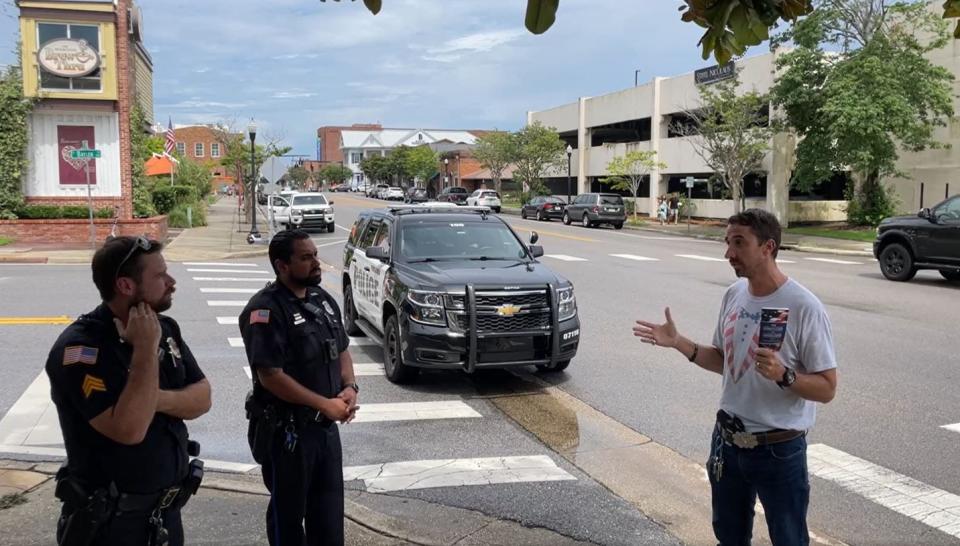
(398, 165)
(298, 176)
(495, 151)
(142, 148)
(336, 174)
(195, 175)
(14, 108)
(857, 108)
(377, 168)
(536, 150)
(422, 163)
(628, 171)
(731, 133)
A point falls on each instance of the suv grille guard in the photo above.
(470, 307)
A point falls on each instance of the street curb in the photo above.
(23, 259)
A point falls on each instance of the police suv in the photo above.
(454, 288)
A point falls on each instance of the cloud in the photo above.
(478, 42)
(292, 95)
(201, 70)
(192, 104)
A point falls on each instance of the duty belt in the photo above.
(304, 414)
(750, 440)
(137, 502)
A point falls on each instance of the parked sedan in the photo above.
(417, 195)
(393, 193)
(485, 198)
(591, 209)
(543, 207)
(453, 194)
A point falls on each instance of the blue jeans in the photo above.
(775, 472)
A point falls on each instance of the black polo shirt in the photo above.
(88, 368)
(280, 331)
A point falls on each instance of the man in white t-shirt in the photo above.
(769, 386)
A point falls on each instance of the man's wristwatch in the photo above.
(789, 378)
(353, 386)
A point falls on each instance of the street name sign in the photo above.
(84, 154)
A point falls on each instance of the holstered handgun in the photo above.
(90, 510)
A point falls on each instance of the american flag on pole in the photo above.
(171, 141)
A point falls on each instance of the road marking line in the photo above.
(337, 242)
(565, 258)
(367, 370)
(232, 279)
(834, 261)
(415, 411)
(235, 271)
(362, 342)
(226, 303)
(229, 290)
(555, 234)
(26, 413)
(635, 257)
(246, 370)
(399, 476)
(779, 261)
(228, 320)
(61, 453)
(219, 264)
(701, 258)
(924, 503)
(236, 342)
(10, 321)
(954, 427)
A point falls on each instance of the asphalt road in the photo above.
(896, 343)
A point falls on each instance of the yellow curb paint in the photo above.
(13, 321)
(555, 234)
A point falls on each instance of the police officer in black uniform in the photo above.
(303, 385)
(123, 382)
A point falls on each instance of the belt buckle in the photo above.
(745, 440)
(168, 497)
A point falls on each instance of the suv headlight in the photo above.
(296, 216)
(566, 303)
(427, 307)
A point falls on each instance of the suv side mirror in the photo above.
(330, 203)
(536, 251)
(925, 213)
(377, 253)
(534, 237)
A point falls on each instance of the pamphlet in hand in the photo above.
(773, 327)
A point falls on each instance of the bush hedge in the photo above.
(165, 198)
(55, 212)
(177, 217)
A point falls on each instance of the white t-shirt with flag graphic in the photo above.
(807, 348)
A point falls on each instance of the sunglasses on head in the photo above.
(141, 243)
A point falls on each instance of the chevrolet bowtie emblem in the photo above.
(508, 310)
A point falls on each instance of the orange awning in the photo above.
(158, 165)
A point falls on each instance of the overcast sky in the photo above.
(296, 65)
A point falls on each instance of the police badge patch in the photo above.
(328, 308)
(174, 350)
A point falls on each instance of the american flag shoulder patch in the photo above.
(260, 315)
(80, 354)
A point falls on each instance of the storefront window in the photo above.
(88, 33)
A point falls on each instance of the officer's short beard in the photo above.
(159, 306)
(312, 279)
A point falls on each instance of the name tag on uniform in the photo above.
(298, 319)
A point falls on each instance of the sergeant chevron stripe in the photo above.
(91, 383)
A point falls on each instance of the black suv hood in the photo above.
(455, 274)
(904, 221)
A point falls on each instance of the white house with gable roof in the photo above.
(358, 144)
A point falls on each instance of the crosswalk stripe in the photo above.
(924, 503)
(235, 271)
(246, 370)
(954, 427)
(701, 258)
(779, 261)
(226, 303)
(235, 342)
(228, 320)
(415, 411)
(565, 258)
(400, 476)
(219, 264)
(229, 290)
(367, 370)
(232, 279)
(362, 342)
(834, 261)
(635, 257)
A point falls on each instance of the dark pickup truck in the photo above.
(928, 240)
(455, 288)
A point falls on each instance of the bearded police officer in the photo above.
(123, 382)
(303, 385)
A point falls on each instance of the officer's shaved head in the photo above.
(120, 257)
(281, 246)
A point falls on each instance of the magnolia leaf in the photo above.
(951, 9)
(540, 15)
(373, 5)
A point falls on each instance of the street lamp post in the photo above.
(569, 156)
(252, 131)
(446, 171)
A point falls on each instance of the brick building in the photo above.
(328, 141)
(86, 63)
(207, 145)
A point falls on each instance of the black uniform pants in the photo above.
(131, 528)
(306, 484)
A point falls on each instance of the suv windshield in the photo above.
(455, 240)
(611, 200)
(309, 200)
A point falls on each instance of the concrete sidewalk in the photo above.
(230, 509)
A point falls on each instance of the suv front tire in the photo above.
(393, 366)
(896, 263)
